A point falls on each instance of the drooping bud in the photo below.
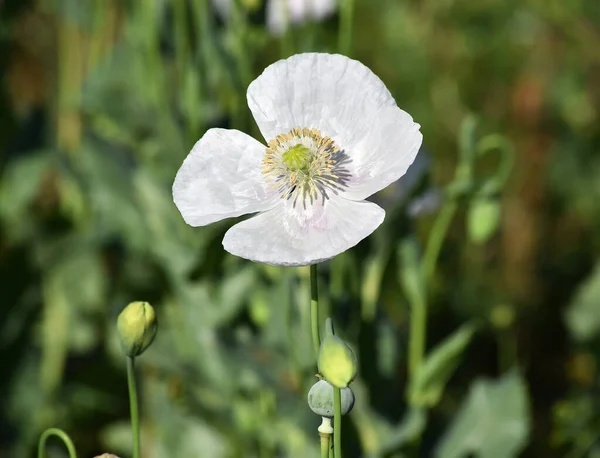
(320, 399)
(136, 325)
(483, 219)
(337, 363)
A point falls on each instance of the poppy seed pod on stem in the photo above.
(137, 326)
(320, 399)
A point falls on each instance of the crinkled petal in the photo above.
(289, 235)
(221, 178)
(347, 102)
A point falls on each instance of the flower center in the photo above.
(297, 158)
(302, 164)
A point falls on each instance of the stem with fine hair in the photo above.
(133, 403)
(337, 422)
(314, 308)
(62, 435)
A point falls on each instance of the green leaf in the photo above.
(582, 316)
(427, 386)
(492, 423)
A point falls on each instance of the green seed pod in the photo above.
(320, 399)
(137, 327)
(337, 363)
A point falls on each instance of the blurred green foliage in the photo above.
(102, 99)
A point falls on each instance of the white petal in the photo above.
(288, 236)
(221, 178)
(345, 101)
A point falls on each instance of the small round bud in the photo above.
(137, 327)
(483, 219)
(337, 363)
(320, 399)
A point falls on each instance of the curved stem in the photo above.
(133, 403)
(337, 422)
(62, 435)
(314, 308)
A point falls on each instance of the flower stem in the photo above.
(325, 446)
(133, 403)
(345, 30)
(417, 336)
(337, 422)
(314, 308)
(325, 431)
(438, 234)
(418, 318)
(62, 435)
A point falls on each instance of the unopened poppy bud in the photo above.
(320, 399)
(137, 327)
(337, 363)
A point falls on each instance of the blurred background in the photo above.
(101, 100)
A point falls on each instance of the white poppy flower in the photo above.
(280, 13)
(334, 137)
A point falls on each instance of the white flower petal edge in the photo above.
(288, 236)
(221, 178)
(346, 101)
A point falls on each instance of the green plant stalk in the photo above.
(345, 29)
(325, 445)
(337, 422)
(62, 435)
(133, 404)
(314, 309)
(417, 336)
(418, 317)
(436, 239)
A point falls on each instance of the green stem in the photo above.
(325, 445)
(62, 435)
(314, 308)
(345, 30)
(438, 234)
(417, 336)
(337, 422)
(133, 402)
